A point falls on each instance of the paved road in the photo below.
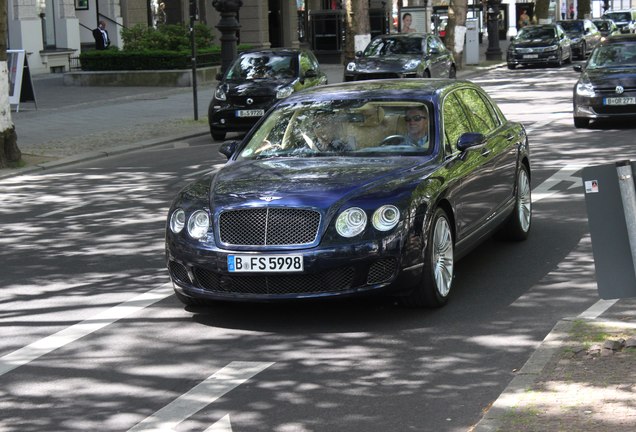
(94, 340)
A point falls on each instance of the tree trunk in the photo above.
(357, 27)
(456, 26)
(541, 8)
(9, 152)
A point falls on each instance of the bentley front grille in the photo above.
(269, 227)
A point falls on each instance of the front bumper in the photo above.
(594, 108)
(346, 270)
(515, 58)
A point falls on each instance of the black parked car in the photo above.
(408, 55)
(539, 44)
(254, 82)
(607, 27)
(331, 196)
(584, 34)
(607, 85)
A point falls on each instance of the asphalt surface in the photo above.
(68, 124)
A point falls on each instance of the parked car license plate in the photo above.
(250, 113)
(530, 56)
(265, 263)
(619, 101)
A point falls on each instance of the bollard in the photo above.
(628, 197)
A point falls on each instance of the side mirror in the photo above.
(577, 68)
(470, 139)
(512, 38)
(228, 148)
(311, 73)
(358, 53)
(433, 51)
(219, 76)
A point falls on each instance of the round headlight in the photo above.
(386, 217)
(284, 92)
(198, 224)
(351, 67)
(177, 221)
(351, 222)
(219, 93)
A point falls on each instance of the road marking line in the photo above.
(200, 396)
(70, 334)
(597, 309)
(564, 174)
(223, 425)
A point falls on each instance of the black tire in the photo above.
(218, 136)
(452, 73)
(426, 74)
(518, 226)
(511, 66)
(559, 61)
(436, 279)
(580, 122)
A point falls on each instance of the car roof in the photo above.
(409, 89)
(270, 51)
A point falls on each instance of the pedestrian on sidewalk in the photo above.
(102, 41)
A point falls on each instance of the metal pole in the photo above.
(628, 196)
(194, 69)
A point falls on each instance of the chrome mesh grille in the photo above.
(268, 227)
(331, 281)
(382, 271)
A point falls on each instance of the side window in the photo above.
(305, 64)
(314, 62)
(479, 112)
(455, 122)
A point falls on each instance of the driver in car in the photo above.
(416, 127)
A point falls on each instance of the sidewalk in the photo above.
(571, 383)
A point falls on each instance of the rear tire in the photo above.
(518, 226)
(434, 286)
(452, 73)
(582, 55)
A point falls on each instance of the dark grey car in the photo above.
(410, 55)
(584, 34)
(539, 44)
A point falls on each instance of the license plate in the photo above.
(530, 56)
(619, 101)
(250, 113)
(265, 263)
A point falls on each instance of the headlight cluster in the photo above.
(411, 64)
(351, 67)
(550, 48)
(219, 93)
(284, 92)
(198, 224)
(584, 87)
(353, 220)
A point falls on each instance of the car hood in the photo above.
(392, 63)
(534, 43)
(257, 87)
(320, 182)
(612, 76)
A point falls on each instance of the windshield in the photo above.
(613, 56)
(263, 66)
(602, 25)
(572, 26)
(400, 45)
(530, 33)
(618, 16)
(349, 127)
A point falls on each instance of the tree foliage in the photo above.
(166, 37)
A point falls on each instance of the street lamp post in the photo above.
(228, 25)
(493, 52)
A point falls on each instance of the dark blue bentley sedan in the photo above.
(350, 189)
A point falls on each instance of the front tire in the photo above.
(452, 73)
(580, 122)
(218, 136)
(518, 226)
(582, 55)
(434, 287)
